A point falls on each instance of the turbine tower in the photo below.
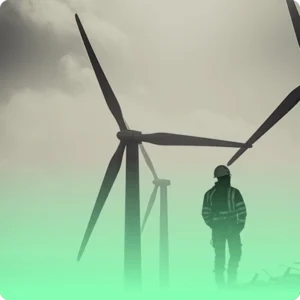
(130, 140)
(162, 185)
(287, 104)
(159, 184)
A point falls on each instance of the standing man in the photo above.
(224, 211)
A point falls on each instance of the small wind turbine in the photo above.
(161, 184)
(287, 104)
(131, 139)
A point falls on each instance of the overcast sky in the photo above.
(209, 69)
(206, 69)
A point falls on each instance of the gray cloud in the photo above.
(35, 35)
(26, 55)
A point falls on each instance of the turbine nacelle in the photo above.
(129, 136)
(161, 182)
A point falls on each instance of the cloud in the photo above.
(36, 35)
(40, 124)
(59, 17)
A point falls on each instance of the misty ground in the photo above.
(43, 218)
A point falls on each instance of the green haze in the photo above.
(44, 215)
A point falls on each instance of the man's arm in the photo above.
(241, 208)
(207, 211)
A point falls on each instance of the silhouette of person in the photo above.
(224, 211)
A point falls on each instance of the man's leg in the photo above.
(219, 244)
(235, 252)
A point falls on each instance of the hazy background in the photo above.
(209, 69)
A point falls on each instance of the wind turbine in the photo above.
(287, 104)
(162, 185)
(130, 139)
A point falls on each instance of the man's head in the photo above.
(222, 173)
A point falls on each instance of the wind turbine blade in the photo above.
(146, 157)
(107, 91)
(126, 124)
(149, 206)
(254, 278)
(295, 18)
(284, 107)
(171, 139)
(108, 181)
(287, 272)
(148, 161)
(267, 273)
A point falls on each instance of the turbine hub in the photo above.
(162, 182)
(129, 136)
